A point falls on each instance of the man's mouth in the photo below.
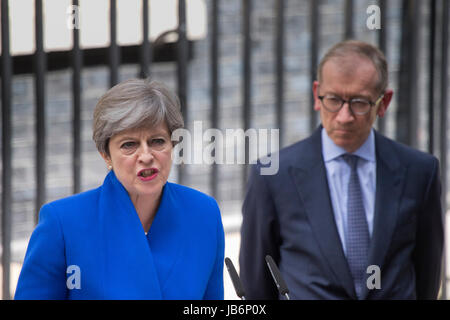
(343, 130)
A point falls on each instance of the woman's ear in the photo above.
(107, 159)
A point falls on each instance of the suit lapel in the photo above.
(312, 184)
(389, 185)
(129, 268)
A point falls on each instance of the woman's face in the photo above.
(141, 160)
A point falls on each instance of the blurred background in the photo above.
(234, 64)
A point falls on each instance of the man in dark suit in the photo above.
(350, 214)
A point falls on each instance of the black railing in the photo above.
(443, 134)
(77, 64)
(182, 64)
(40, 68)
(314, 57)
(7, 74)
(215, 90)
(147, 52)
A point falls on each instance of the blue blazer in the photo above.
(99, 232)
(290, 217)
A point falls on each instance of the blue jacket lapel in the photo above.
(129, 268)
(166, 235)
(312, 184)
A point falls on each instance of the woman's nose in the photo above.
(145, 154)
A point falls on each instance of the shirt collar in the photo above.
(331, 151)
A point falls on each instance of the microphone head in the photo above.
(238, 287)
(276, 274)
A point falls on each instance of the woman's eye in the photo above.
(128, 145)
(158, 141)
(158, 144)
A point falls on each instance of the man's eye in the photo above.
(359, 103)
(333, 100)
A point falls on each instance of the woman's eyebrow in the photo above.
(126, 138)
(159, 133)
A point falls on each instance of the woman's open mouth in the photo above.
(148, 174)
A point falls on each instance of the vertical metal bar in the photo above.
(182, 57)
(279, 54)
(382, 35)
(182, 61)
(40, 67)
(431, 60)
(247, 74)
(407, 118)
(76, 107)
(382, 44)
(146, 52)
(444, 117)
(247, 70)
(214, 51)
(349, 19)
(114, 55)
(6, 151)
(314, 58)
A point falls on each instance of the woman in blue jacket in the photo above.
(137, 236)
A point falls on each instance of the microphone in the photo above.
(237, 284)
(276, 275)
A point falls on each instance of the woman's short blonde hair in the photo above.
(132, 104)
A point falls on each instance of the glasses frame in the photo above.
(371, 103)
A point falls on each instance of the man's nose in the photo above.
(345, 115)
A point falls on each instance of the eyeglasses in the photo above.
(358, 106)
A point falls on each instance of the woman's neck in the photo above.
(146, 207)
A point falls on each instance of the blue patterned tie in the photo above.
(357, 237)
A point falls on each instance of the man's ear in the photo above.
(384, 104)
(315, 89)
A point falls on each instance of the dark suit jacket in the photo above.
(290, 217)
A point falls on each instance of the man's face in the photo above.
(349, 78)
